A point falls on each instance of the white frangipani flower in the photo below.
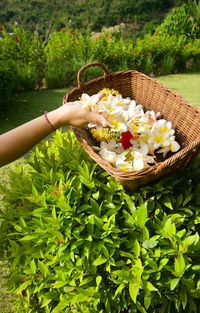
(173, 147)
(143, 132)
(89, 102)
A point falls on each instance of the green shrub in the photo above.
(167, 66)
(59, 74)
(8, 82)
(76, 241)
(179, 22)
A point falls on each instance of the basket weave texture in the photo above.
(185, 119)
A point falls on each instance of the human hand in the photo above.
(72, 113)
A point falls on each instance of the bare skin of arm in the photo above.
(18, 141)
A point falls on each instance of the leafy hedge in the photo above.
(76, 241)
(173, 47)
(22, 67)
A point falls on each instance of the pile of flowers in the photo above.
(133, 136)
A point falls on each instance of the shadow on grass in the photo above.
(29, 105)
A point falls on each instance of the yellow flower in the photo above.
(108, 91)
(104, 134)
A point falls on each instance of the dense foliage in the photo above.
(80, 14)
(76, 241)
(29, 61)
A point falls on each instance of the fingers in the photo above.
(101, 95)
(97, 119)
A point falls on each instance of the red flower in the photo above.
(77, 43)
(38, 38)
(155, 34)
(177, 58)
(115, 57)
(54, 47)
(72, 32)
(125, 139)
(16, 39)
(148, 53)
(110, 37)
(60, 46)
(99, 36)
(1, 27)
(132, 50)
(137, 54)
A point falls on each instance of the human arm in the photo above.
(18, 141)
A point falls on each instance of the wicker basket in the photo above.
(152, 95)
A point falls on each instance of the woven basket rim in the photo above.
(194, 145)
(152, 169)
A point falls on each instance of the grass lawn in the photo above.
(187, 85)
(28, 105)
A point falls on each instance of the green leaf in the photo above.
(33, 267)
(90, 225)
(34, 191)
(187, 200)
(62, 305)
(98, 280)
(147, 299)
(183, 298)
(167, 203)
(179, 265)
(163, 262)
(95, 207)
(133, 291)
(149, 244)
(59, 284)
(129, 220)
(174, 282)
(45, 302)
(123, 274)
(96, 195)
(190, 240)
(142, 215)
(22, 287)
(131, 205)
(169, 228)
(150, 287)
(136, 248)
(140, 307)
(29, 238)
(119, 289)
(43, 268)
(22, 222)
(100, 261)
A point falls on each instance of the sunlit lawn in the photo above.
(187, 85)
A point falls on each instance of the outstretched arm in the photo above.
(18, 141)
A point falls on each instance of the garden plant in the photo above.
(76, 241)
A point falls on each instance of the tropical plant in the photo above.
(76, 241)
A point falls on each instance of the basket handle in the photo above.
(194, 145)
(80, 72)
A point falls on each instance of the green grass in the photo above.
(186, 85)
(28, 105)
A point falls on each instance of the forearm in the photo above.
(18, 141)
